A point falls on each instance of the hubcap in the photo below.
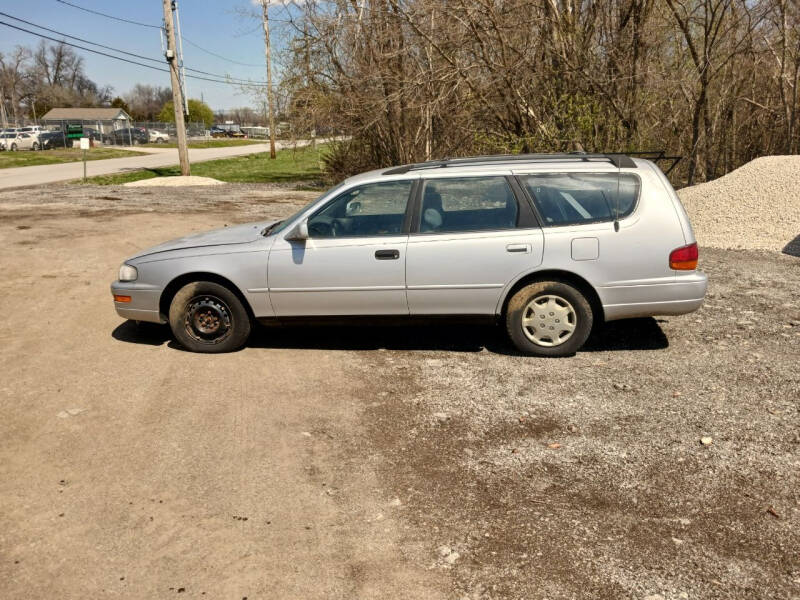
(549, 320)
(208, 319)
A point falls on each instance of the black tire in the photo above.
(35, 146)
(571, 308)
(13, 147)
(208, 317)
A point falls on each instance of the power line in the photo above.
(80, 39)
(188, 41)
(238, 80)
(230, 60)
(89, 10)
(133, 62)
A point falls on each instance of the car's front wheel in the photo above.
(549, 318)
(35, 146)
(207, 317)
(13, 147)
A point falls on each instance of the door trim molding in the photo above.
(377, 288)
(458, 286)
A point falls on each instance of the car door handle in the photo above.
(387, 254)
(518, 248)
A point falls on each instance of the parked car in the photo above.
(93, 134)
(6, 137)
(18, 141)
(128, 136)
(548, 245)
(53, 139)
(34, 130)
(157, 137)
(227, 132)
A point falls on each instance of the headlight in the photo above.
(128, 273)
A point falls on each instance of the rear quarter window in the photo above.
(578, 198)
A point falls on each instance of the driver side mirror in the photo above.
(299, 232)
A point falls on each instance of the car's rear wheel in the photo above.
(549, 318)
(208, 317)
(35, 147)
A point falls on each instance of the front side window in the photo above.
(578, 198)
(467, 204)
(366, 210)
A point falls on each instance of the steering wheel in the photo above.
(322, 227)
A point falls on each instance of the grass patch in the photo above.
(212, 143)
(302, 164)
(28, 158)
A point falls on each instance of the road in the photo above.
(154, 157)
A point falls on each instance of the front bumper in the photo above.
(144, 304)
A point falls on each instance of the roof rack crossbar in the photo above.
(619, 160)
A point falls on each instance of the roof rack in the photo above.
(618, 160)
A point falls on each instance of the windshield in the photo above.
(281, 225)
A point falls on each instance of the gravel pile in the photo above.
(755, 207)
(179, 181)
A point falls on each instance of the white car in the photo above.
(547, 245)
(157, 137)
(19, 141)
(34, 130)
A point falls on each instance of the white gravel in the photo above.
(174, 181)
(755, 207)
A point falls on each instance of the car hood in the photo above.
(237, 234)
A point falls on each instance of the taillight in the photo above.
(684, 258)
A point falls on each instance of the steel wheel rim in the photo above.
(208, 319)
(549, 320)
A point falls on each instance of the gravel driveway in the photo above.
(383, 463)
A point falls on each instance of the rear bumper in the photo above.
(144, 301)
(683, 294)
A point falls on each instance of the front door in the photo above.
(473, 237)
(354, 260)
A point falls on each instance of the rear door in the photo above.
(354, 260)
(472, 236)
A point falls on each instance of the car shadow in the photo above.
(631, 334)
(150, 334)
(793, 247)
(627, 334)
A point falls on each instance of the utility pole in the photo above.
(307, 60)
(3, 114)
(268, 52)
(177, 95)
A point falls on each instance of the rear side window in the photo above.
(467, 204)
(576, 198)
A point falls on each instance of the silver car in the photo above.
(548, 245)
(19, 141)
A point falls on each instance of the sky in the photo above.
(211, 24)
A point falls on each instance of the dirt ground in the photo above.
(382, 463)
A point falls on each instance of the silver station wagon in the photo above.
(548, 245)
